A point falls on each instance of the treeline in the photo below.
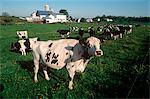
(4, 20)
(7, 20)
(123, 18)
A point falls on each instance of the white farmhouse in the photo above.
(47, 16)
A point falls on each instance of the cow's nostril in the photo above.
(98, 52)
(23, 37)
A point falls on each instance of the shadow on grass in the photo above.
(56, 77)
(29, 66)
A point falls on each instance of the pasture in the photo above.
(122, 72)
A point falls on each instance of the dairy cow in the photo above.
(23, 45)
(22, 34)
(69, 53)
(64, 32)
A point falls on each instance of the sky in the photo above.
(78, 8)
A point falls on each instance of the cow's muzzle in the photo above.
(99, 53)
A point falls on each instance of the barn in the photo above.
(47, 16)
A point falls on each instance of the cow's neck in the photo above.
(85, 55)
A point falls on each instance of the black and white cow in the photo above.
(112, 31)
(23, 45)
(64, 32)
(128, 29)
(22, 34)
(81, 32)
(74, 29)
(91, 31)
(69, 53)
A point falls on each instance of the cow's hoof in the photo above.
(35, 81)
(47, 78)
(70, 87)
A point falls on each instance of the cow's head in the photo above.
(22, 34)
(93, 46)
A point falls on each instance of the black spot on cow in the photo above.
(54, 61)
(57, 64)
(47, 56)
(55, 56)
(50, 45)
(27, 44)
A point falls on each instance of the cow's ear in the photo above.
(101, 41)
(38, 39)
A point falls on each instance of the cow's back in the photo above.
(56, 54)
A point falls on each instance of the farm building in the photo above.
(47, 16)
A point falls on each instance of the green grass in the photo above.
(110, 76)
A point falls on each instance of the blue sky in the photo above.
(79, 8)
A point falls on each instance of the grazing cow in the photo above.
(99, 29)
(81, 32)
(128, 29)
(116, 33)
(22, 34)
(69, 53)
(73, 29)
(23, 45)
(64, 32)
(113, 32)
(91, 31)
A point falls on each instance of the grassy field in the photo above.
(121, 72)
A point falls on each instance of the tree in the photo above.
(5, 14)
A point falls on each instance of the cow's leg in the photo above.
(36, 68)
(45, 73)
(68, 34)
(71, 71)
(36, 64)
(115, 37)
(24, 52)
(121, 35)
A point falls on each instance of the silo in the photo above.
(46, 7)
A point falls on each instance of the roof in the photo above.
(43, 12)
(39, 12)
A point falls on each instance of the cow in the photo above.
(74, 29)
(64, 32)
(114, 32)
(69, 53)
(23, 45)
(22, 34)
(99, 28)
(91, 31)
(81, 32)
(128, 29)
